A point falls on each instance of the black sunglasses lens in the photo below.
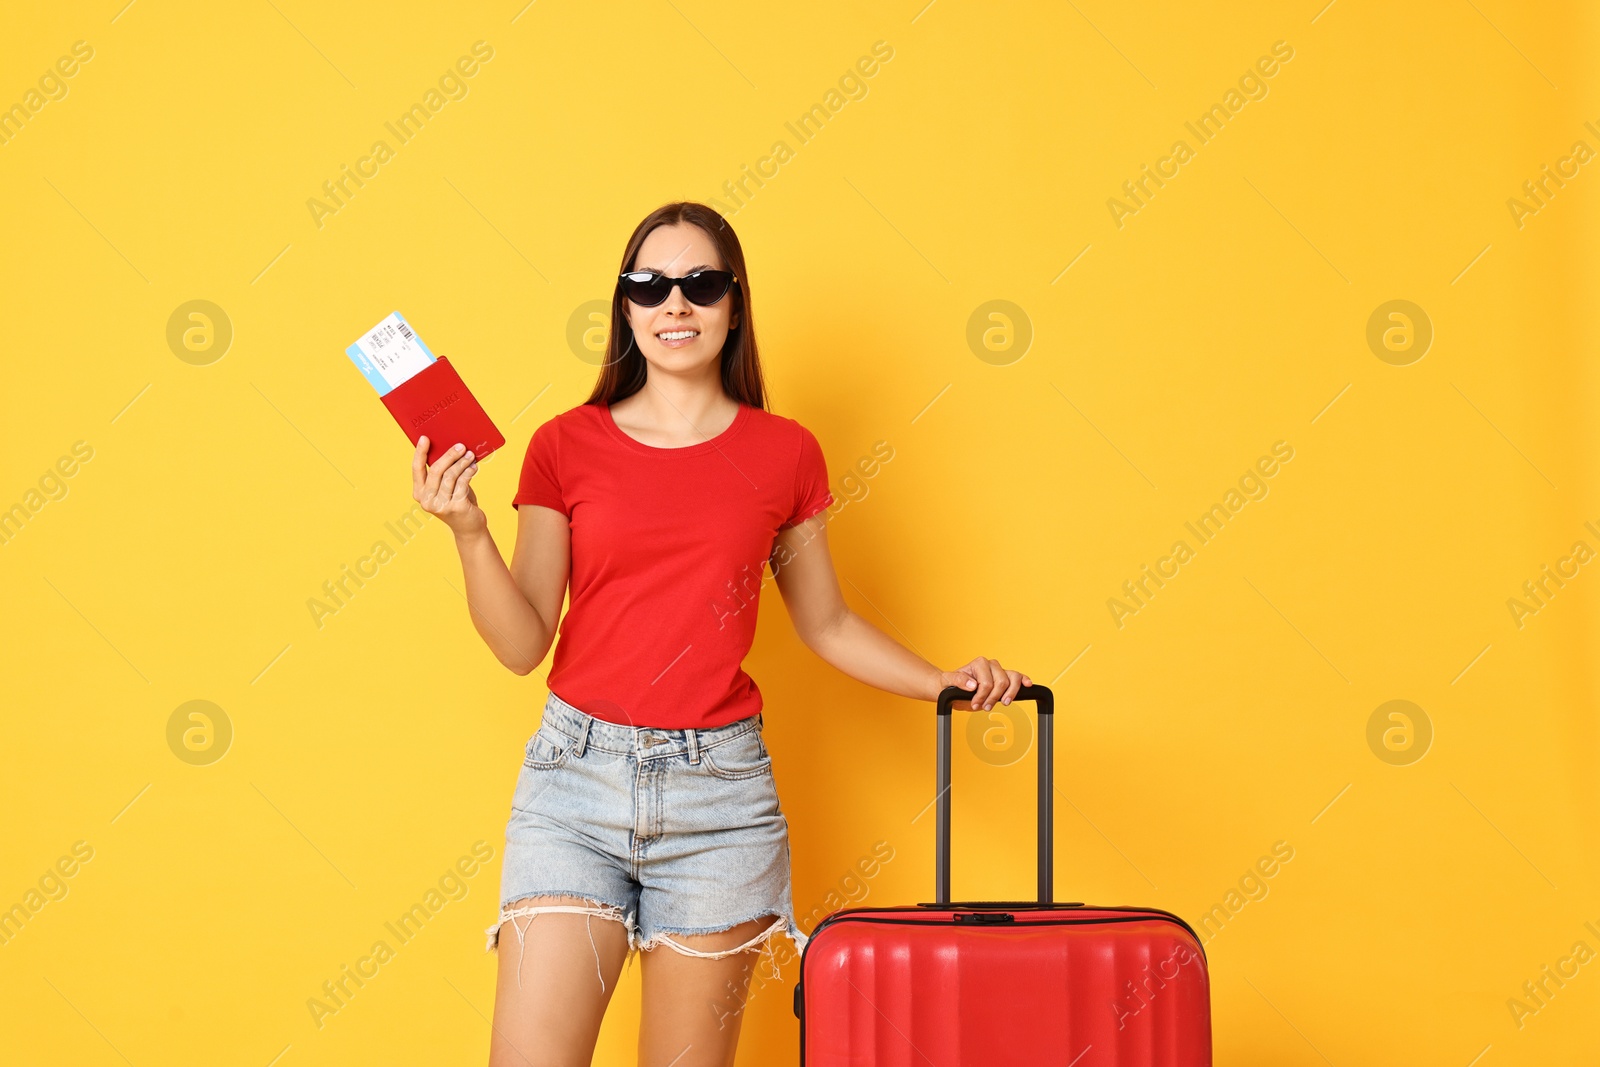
(706, 287)
(646, 290)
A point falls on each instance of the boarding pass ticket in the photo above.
(389, 353)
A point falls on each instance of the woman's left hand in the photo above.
(988, 681)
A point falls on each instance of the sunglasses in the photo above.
(647, 288)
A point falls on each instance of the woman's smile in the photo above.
(677, 338)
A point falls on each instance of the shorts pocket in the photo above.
(547, 749)
(743, 757)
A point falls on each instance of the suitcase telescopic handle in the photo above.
(1046, 759)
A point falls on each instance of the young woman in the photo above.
(645, 816)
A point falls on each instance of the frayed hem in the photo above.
(532, 911)
(761, 941)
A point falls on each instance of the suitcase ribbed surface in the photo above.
(1074, 987)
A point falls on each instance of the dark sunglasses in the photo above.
(647, 288)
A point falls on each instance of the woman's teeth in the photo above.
(678, 335)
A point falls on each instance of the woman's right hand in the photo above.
(445, 489)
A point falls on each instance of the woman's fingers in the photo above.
(999, 679)
(980, 669)
(991, 683)
(974, 700)
(419, 460)
(463, 490)
(1010, 693)
(440, 465)
(447, 481)
(996, 684)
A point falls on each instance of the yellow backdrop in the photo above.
(1230, 372)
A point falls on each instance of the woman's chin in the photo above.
(681, 359)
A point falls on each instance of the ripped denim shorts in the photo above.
(669, 832)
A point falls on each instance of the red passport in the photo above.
(435, 401)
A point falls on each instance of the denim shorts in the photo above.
(666, 831)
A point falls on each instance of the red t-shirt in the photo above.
(668, 546)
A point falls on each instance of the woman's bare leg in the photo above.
(693, 1006)
(549, 1000)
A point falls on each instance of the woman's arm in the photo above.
(803, 569)
(515, 609)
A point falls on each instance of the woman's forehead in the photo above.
(678, 249)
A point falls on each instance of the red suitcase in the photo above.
(1003, 982)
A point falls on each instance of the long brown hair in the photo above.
(624, 373)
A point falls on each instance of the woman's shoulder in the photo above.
(562, 431)
(778, 426)
(581, 416)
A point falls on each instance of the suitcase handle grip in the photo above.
(1046, 757)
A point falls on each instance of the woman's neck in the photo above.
(676, 414)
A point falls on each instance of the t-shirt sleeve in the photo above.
(811, 493)
(540, 482)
